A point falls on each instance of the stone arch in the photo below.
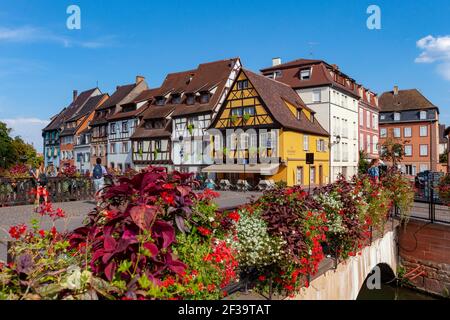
(386, 277)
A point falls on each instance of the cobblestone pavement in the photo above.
(76, 212)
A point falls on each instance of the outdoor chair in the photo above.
(243, 185)
(225, 185)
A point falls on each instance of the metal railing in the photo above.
(14, 192)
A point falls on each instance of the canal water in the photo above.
(388, 292)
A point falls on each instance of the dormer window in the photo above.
(190, 99)
(305, 74)
(243, 84)
(176, 98)
(160, 101)
(148, 125)
(396, 116)
(275, 75)
(423, 115)
(204, 97)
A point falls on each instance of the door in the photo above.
(320, 175)
(312, 175)
(299, 176)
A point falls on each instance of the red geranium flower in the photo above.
(262, 278)
(204, 231)
(17, 231)
(234, 216)
(168, 198)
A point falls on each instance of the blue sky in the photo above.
(41, 61)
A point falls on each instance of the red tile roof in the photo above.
(410, 99)
(274, 94)
(322, 74)
(68, 112)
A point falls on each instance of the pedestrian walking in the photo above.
(98, 174)
(374, 170)
(41, 180)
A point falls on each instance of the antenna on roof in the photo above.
(311, 44)
(97, 83)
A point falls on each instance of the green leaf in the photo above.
(124, 266)
(144, 282)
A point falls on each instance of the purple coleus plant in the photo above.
(131, 234)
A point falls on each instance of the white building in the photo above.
(334, 97)
(122, 122)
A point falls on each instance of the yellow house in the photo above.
(264, 131)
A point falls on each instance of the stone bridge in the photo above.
(346, 280)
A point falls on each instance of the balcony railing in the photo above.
(14, 192)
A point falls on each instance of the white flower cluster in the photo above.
(332, 204)
(255, 247)
(76, 278)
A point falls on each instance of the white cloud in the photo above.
(30, 34)
(436, 49)
(30, 129)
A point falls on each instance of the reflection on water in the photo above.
(388, 292)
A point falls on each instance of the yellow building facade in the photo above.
(266, 133)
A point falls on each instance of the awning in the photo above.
(262, 169)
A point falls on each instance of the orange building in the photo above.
(408, 117)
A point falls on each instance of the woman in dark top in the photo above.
(41, 184)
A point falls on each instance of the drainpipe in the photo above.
(330, 169)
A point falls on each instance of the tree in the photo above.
(6, 148)
(363, 164)
(443, 158)
(393, 151)
(13, 151)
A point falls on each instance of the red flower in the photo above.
(42, 233)
(60, 213)
(204, 231)
(168, 186)
(234, 216)
(168, 198)
(53, 231)
(17, 231)
(262, 278)
(308, 234)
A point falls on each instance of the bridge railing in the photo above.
(14, 192)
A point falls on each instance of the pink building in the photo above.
(368, 123)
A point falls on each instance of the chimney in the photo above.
(139, 79)
(276, 62)
(75, 95)
(335, 66)
(395, 90)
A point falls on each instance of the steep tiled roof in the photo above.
(293, 63)
(405, 100)
(146, 95)
(90, 106)
(274, 94)
(68, 112)
(120, 94)
(205, 78)
(322, 74)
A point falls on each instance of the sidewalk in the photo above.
(76, 212)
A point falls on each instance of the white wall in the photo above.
(336, 105)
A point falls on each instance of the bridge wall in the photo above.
(427, 246)
(345, 282)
